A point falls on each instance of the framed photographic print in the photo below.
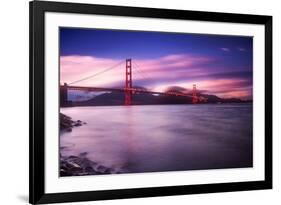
(140, 102)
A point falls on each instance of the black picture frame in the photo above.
(37, 10)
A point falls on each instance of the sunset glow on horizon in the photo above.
(219, 65)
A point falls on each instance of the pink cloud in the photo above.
(227, 88)
(177, 66)
(224, 88)
(75, 67)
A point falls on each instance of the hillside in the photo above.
(117, 98)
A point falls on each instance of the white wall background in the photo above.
(14, 43)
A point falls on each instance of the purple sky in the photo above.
(220, 65)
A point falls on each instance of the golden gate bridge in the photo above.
(128, 89)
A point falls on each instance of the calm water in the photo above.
(162, 138)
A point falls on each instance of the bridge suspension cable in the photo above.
(96, 74)
(140, 73)
(139, 70)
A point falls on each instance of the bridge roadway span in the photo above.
(134, 90)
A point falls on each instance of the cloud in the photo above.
(241, 49)
(174, 67)
(73, 68)
(224, 88)
(225, 49)
(182, 70)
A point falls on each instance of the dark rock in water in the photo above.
(101, 169)
(76, 169)
(89, 169)
(78, 165)
(83, 154)
(62, 148)
(81, 165)
(77, 124)
(64, 173)
(107, 171)
(66, 123)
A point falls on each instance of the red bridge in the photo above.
(129, 90)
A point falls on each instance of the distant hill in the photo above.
(117, 98)
(216, 99)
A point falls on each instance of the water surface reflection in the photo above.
(162, 138)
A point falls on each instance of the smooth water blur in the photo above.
(162, 137)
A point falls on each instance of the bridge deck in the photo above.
(134, 90)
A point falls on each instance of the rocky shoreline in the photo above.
(79, 165)
(66, 123)
(82, 166)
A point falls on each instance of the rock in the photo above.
(66, 123)
(81, 165)
(72, 157)
(74, 165)
(64, 173)
(83, 154)
(107, 171)
(89, 169)
(77, 124)
(101, 169)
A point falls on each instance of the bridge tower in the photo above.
(63, 95)
(128, 82)
(194, 94)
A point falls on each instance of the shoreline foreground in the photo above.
(79, 165)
